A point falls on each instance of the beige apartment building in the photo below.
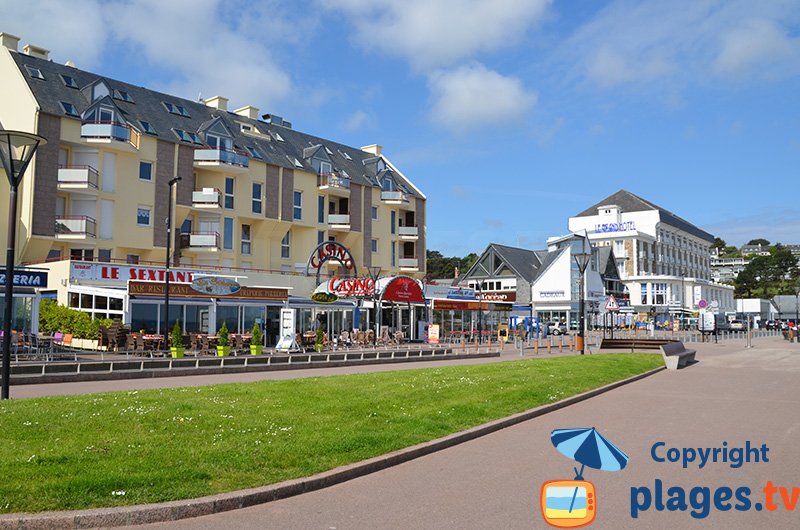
(254, 199)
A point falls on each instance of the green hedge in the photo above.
(54, 318)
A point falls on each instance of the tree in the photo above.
(439, 266)
(761, 242)
(731, 252)
(719, 244)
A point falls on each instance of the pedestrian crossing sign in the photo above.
(611, 304)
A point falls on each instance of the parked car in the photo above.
(772, 324)
(738, 325)
(557, 328)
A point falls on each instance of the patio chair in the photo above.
(361, 338)
(370, 338)
(238, 344)
(205, 346)
(385, 339)
(344, 338)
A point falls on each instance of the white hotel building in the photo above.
(664, 261)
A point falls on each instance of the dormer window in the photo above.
(176, 109)
(325, 168)
(69, 81)
(34, 72)
(188, 137)
(123, 95)
(388, 184)
(69, 109)
(219, 142)
(253, 152)
(148, 127)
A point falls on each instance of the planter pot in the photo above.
(177, 353)
(256, 349)
(223, 351)
(318, 348)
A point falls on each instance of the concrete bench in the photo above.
(633, 344)
(676, 355)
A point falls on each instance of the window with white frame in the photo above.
(246, 245)
(146, 171)
(257, 197)
(143, 216)
(229, 193)
(285, 244)
(298, 205)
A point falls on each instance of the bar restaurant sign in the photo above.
(23, 278)
(106, 272)
(156, 289)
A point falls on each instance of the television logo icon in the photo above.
(568, 503)
(573, 503)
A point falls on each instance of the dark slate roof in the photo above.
(630, 202)
(148, 106)
(523, 262)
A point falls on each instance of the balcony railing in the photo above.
(200, 241)
(107, 130)
(206, 198)
(408, 232)
(409, 263)
(339, 219)
(394, 197)
(332, 180)
(212, 155)
(77, 177)
(75, 226)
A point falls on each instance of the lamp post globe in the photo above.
(582, 261)
(16, 151)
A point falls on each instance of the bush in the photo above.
(177, 335)
(222, 335)
(256, 338)
(57, 318)
(320, 339)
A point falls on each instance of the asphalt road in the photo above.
(731, 396)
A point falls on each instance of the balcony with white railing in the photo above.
(334, 184)
(408, 233)
(221, 159)
(75, 227)
(82, 179)
(339, 222)
(200, 242)
(115, 134)
(409, 263)
(394, 197)
(206, 198)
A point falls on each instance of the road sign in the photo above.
(611, 304)
(714, 304)
(702, 304)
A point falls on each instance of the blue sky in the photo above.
(511, 115)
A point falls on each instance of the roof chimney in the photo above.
(217, 102)
(9, 41)
(247, 111)
(36, 51)
(375, 149)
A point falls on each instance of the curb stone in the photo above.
(183, 509)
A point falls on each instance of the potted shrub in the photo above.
(256, 346)
(223, 348)
(176, 347)
(319, 340)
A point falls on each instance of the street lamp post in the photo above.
(16, 150)
(683, 297)
(374, 272)
(582, 260)
(174, 180)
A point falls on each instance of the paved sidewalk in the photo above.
(732, 395)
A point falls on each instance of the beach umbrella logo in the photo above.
(573, 503)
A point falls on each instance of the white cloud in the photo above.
(70, 30)
(756, 42)
(357, 120)
(631, 42)
(197, 43)
(472, 96)
(438, 33)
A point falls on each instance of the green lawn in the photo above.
(147, 446)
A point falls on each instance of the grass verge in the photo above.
(122, 448)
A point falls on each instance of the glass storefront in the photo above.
(21, 313)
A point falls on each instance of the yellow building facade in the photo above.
(254, 199)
